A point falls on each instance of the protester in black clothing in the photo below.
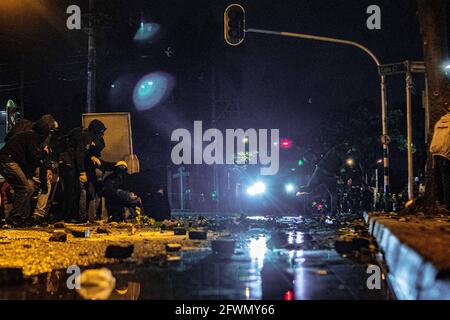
(19, 158)
(75, 148)
(117, 198)
(95, 170)
(327, 172)
(160, 207)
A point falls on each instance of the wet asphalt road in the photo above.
(274, 258)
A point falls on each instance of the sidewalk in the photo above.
(416, 251)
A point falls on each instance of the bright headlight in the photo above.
(257, 188)
(289, 188)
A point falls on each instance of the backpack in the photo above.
(440, 144)
(63, 143)
(23, 125)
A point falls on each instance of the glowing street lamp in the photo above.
(350, 162)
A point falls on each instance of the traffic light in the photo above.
(234, 24)
(286, 143)
(300, 162)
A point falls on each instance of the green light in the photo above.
(293, 169)
(300, 162)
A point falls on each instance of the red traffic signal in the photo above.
(234, 24)
(286, 143)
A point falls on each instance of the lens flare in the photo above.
(152, 89)
(147, 31)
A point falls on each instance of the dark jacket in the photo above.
(113, 182)
(25, 148)
(96, 151)
(76, 147)
(159, 208)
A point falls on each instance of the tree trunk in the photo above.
(432, 17)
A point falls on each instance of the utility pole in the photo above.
(91, 68)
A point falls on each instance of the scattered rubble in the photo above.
(103, 230)
(173, 247)
(197, 235)
(58, 236)
(119, 252)
(179, 231)
(80, 233)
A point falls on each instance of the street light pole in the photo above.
(384, 116)
(385, 133)
(409, 132)
(91, 68)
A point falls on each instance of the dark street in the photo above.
(236, 155)
(274, 259)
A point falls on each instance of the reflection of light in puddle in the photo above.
(295, 237)
(297, 256)
(258, 249)
(258, 218)
(247, 293)
(299, 285)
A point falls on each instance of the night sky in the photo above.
(277, 82)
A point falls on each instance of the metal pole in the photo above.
(409, 132)
(318, 38)
(385, 132)
(377, 190)
(90, 107)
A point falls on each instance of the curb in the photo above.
(411, 276)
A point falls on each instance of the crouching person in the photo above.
(19, 159)
(120, 202)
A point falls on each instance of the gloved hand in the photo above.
(133, 196)
(96, 161)
(83, 177)
(49, 175)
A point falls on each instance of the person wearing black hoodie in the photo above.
(19, 159)
(96, 168)
(73, 171)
